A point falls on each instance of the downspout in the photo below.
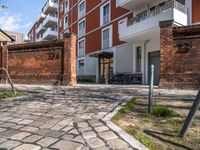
(145, 49)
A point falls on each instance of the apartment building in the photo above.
(45, 28)
(121, 36)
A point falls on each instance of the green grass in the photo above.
(163, 111)
(148, 142)
(128, 107)
(4, 95)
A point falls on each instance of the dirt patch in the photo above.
(162, 130)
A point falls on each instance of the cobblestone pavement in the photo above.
(65, 118)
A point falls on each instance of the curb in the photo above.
(128, 138)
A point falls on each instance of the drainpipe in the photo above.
(145, 49)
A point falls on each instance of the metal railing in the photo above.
(156, 11)
(9, 79)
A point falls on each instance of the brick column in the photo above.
(69, 60)
(166, 54)
(4, 58)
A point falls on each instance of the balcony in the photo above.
(50, 34)
(134, 4)
(49, 21)
(50, 7)
(40, 28)
(146, 25)
(41, 17)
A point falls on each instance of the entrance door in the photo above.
(105, 61)
(154, 59)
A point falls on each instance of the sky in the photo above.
(20, 14)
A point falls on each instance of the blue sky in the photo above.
(20, 14)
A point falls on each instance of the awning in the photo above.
(100, 53)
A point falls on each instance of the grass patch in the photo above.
(128, 107)
(163, 111)
(4, 95)
(142, 138)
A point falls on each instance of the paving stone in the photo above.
(2, 129)
(89, 134)
(101, 128)
(57, 127)
(118, 144)
(42, 131)
(96, 124)
(55, 133)
(108, 135)
(17, 126)
(74, 131)
(6, 118)
(68, 137)
(15, 120)
(85, 129)
(32, 138)
(20, 136)
(8, 133)
(29, 129)
(9, 144)
(25, 121)
(67, 128)
(45, 142)
(7, 125)
(101, 148)
(95, 142)
(27, 147)
(78, 139)
(67, 145)
(2, 140)
(82, 124)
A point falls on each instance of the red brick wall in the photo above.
(178, 70)
(42, 63)
(195, 11)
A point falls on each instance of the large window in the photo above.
(66, 6)
(107, 37)
(81, 28)
(81, 8)
(81, 48)
(105, 13)
(138, 58)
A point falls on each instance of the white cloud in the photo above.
(13, 22)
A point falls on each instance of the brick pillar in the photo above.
(69, 60)
(166, 54)
(4, 58)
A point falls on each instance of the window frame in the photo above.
(102, 12)
(83, 20)
(110, 37)
(81, 2)
(81, 40)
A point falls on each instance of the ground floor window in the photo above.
(138, 59)
(81, 64)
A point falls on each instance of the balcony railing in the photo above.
(40, 27)
(50, 3)
(50, 32)
(156, 11)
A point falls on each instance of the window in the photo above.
(81, 64)
(13, 37)
(66, 22)
(81, 9)
(66, 6)
(81, 48)
(138, 59)
(105, 13)
(107, 37)
(81, 28)
(61, 23)
(61, 8)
